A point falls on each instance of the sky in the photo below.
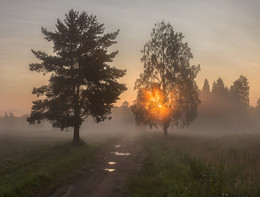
(224, 37)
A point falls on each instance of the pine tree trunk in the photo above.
(76, 138)
(165, 129)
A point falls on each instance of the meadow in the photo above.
(36, 164)
(180, 165)
(198, 165)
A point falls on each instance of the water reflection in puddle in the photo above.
(121, 154)
(111, 163)
(109, 170)
(117, 146)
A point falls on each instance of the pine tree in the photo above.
(81, 82)
(219, 89)
(206, 88)
(240, 92)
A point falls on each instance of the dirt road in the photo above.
(107, 176)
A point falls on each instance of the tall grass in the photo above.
(199, 166)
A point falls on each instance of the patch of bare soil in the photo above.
(107, 177)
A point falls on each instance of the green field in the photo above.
(198, 166)
(35, 165)
(180, 165)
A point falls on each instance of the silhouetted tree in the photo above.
(257, 108)
(6, 117)
(206, 88)
(167, 92)
(258, 104)
(219, 89)
(81, 82)
(240, 92)
(125, 104)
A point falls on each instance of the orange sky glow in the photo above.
(223, 37)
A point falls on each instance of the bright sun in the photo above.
(154, 103)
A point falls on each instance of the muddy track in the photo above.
(107, 176)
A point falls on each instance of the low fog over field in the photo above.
(122, 122)
(217, 114)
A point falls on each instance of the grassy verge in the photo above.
(192, 166)
(38, 175)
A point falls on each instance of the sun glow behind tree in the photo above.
(159, 106)
(154, 103)
(167, 91)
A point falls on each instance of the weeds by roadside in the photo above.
(200, 168)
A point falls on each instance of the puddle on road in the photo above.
(121, 154)
(117, 146)
(109, 170)
(111, 163)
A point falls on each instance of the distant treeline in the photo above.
(121, 116)
(221, 109)
(11, 122)
(225, 107)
